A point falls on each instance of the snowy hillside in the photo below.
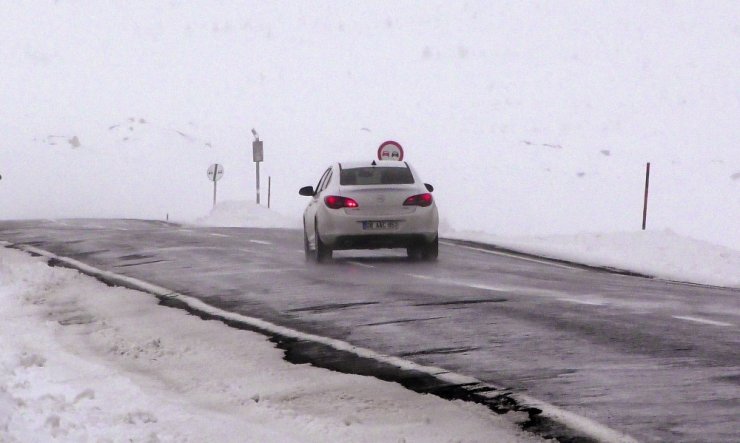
(529, 118)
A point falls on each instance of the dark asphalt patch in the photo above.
(138, 264)
(463, 302)
(403, 320)
(135, 257)
(734, 378)
(438, 351)
(331, 307)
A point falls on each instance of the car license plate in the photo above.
(379, 224)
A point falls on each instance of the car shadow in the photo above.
(372, 260)
(376, 259)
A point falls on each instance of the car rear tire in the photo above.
(306, 245)
(322, 253)
(424, 251)
(430, 251)
(414, 252)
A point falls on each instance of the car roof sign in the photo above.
(390, 150)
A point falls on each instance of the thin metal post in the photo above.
(258, 182)
(214, 192)
(269, 188)
(647, 186)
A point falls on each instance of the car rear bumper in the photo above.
(341, 229)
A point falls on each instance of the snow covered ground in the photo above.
(247, 215)
(80, 361)
(663, 254)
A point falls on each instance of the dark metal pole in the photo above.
(215, 178)
(257, 157)
(647, 186)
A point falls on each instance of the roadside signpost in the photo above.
(390, 150)
(257, 157)
(215, 172)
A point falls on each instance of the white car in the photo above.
(370, 205)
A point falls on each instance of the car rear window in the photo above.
(377, 175)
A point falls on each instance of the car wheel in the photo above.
(322, 253)
(306, 245)
(430, 251)
(414, 252)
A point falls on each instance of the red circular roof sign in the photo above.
(390, 150)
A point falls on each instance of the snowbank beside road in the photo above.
(662, 254)
(80, 361)
(245, 214)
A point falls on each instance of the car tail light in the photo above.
(422, 200)
(337, 202)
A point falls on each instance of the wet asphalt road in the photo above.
(657, 360)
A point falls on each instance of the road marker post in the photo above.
(645, 204)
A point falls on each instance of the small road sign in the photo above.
(215, 172)
(390, 150)
(257, 151)
(258, 155)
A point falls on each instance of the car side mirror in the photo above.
(307, 191)
(429, 187)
